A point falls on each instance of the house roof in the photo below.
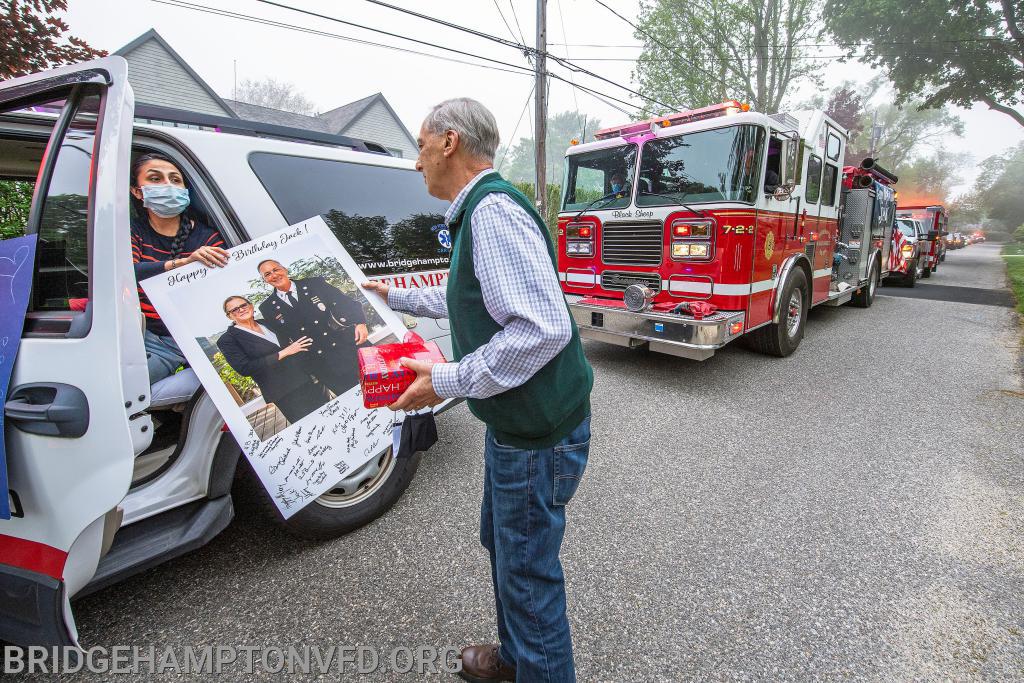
(151, 34)
(341, 118)
(255, 112)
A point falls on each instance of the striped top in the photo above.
(150, 250)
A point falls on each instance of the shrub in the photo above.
(1018, 234)
(998, 236)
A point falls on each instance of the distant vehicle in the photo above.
(934, 218)
(909, 265)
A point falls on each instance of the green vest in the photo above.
(544, 410)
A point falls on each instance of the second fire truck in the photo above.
(686, 232)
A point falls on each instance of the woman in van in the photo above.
(253, 350)
(166, 235)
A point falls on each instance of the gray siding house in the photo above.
(160, 77)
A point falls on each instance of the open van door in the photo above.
(72, 415)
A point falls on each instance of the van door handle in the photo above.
(48, 409)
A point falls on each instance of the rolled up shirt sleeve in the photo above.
(428, 302)
(521, 293)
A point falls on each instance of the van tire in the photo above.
(321, 522)
(775, 339)
(926, 272)
(910, 279)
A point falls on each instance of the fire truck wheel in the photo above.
(866, 296)
(782, 338)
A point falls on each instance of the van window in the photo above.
(383, 216)
(813, 179)
(828, 185)
(62, 258)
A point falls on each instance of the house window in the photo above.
(395, 152)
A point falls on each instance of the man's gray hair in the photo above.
(474, 123)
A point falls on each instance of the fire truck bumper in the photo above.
(678, 335)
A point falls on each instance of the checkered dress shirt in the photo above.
(520, 291)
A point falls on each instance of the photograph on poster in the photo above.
(273, 337)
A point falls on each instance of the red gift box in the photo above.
(382, 375)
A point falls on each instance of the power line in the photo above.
(502, 15)
(182, 4)
(515, 17)
(561, 20)
(519, 69)
(516, 129)
(657, 41)
(487, 36)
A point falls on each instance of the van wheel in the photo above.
(866, 296)
(354, 502)
(926, 272)
(782, 338)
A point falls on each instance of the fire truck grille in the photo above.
(619, 280)
(632, 244)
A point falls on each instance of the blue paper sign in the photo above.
(16, 259)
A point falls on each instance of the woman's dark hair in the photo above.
(232, 298)
(140, 211)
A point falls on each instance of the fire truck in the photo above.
(934, 219)
(685, 232)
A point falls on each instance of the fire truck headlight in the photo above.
(699, 250)
(680, 250)
(579, 248)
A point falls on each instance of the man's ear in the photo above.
(451, 142)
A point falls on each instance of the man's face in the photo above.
(432, 162)
(275, 275)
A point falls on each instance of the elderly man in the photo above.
(520, 363)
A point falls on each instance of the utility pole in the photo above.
(540, 130)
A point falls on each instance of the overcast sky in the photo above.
(330, 71)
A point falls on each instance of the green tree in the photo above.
(34, 40)
(699, 53)
(930, 179)
(516, 161)
(942, 52)
(15, 200)
(997, 191)
(1018, 234)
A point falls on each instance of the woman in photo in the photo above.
(166, 235)
(253, 349)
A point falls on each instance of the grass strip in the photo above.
(1013, 255)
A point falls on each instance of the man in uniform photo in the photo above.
(314, 308)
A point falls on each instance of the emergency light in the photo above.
(688, 116)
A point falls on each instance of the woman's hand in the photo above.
(212, 257)
(361, 334)
(298, 346)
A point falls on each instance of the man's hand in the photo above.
(420, 393)
(378, 287)
(361, 334)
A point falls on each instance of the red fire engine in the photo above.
(685, 232)
(934, 219)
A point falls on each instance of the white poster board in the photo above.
(330, 434)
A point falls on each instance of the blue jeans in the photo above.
(162, 355)
(522, 522)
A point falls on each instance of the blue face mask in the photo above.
(616, 187)
(165, 200)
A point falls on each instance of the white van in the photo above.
(108, 478)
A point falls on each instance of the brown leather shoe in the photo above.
(481, 664)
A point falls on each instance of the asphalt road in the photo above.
(853, 511)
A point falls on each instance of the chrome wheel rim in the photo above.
(795, 312)
(873, 282)
(361, 484)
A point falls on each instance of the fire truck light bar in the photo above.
(715, 110)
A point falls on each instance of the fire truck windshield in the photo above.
(602, 172)
(708, 166)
